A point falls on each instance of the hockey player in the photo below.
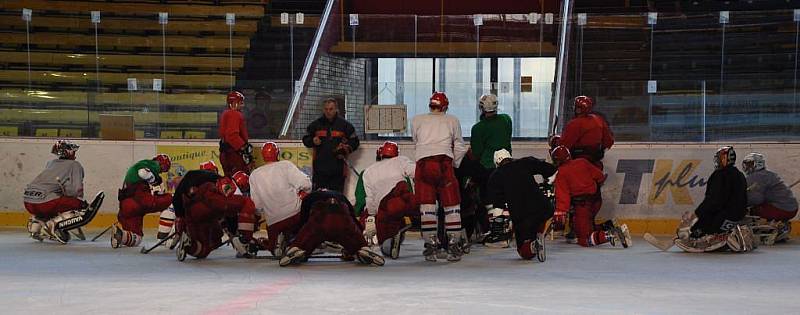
(439, 148)
(277, 188)
(389, 199)
(54, 197)
(577, 185)
(768, 197)
(332, 138)
(587, 135)
(512, 187)
(490, 134)
(715, 225)
(327, 215)
(203, 202)
(235, 152)
(140, 195)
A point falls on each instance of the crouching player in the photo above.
(511, 186)
(140, 195)
(277, 188)
(769, 199)
(328, 216)
(389, 199)
(577, 185)
(54, 198)
(203, 202)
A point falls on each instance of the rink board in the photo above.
(649, 185)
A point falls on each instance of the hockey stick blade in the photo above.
(663, 245)
(148, 250)
(104, 232)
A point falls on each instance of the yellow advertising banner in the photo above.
(188, 157)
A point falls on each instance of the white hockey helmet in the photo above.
(501, 155)
(752, 162)
(488, 103)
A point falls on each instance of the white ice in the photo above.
(92, 278)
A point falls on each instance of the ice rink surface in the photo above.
(91, 278)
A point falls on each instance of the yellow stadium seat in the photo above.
(83, 22)
(194, 135)
(170, 134)
(46, 132)
(240, 44)
(108, 60)
(9, 131)
(70, 133)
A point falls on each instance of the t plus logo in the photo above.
(666, 178)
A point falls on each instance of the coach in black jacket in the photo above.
(726, 196)
(332, 138)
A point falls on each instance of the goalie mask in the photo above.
(752, 162)
(725, 156)
(65, 149)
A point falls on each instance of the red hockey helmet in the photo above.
(389, 149)
(554, 141)
(439, 101)
(209, 166)
(242, 181)
(163, 161)
(560, 154)
(226, 186)
(583, 105)
(270, 152)
(235, 100)
(65, 149)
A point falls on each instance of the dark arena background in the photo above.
(126, 81)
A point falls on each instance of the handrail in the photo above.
(312, 52)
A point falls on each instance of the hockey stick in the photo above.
(148, 250)
(309, 257)
(104, 232)
(794, 184)
(663, 245)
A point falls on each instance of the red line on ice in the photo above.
(250, 299)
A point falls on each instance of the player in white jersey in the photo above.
(439, 147)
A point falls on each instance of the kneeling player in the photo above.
(277, 188)
(138, 197)
(577, 184)
(328, 216)
(54, 197)
(389, 199)
(512, 186)
(204, 201)
(715, 223)
(769, 199)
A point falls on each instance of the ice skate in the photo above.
(391, 247)
(366, 256)
(294, 255)
(183, 246)
(116, 236)
(454, 247)
(431, 247)
(35, 229)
